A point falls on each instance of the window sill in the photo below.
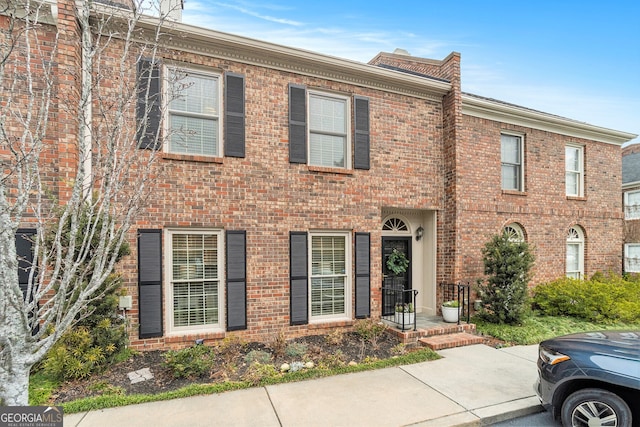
(324, 169)
(514, 193)
(578, 198)
(192, 158)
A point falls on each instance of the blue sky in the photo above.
(577, 59)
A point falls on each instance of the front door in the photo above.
(392, 282)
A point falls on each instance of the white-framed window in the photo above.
(515, 232)
(632, 204)
(194, 119)
(632, 257)
(574, 170)
(512, 159)
(194, 291)
(575, 253)
(330, 282)
(329, 123)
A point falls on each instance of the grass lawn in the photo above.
(536, 328)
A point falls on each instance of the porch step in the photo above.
(450, 340)
(447, 328)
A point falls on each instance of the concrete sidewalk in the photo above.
(473, 385)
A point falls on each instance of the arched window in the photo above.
(395, 224)
(575, 253)
(515, 232)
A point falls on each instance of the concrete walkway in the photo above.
(473, 385)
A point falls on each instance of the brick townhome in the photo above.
(309, 170)
(631, 200)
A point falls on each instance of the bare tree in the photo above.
(71, 164)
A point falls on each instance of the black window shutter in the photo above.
(150, 283)
(297, 124)
(298, 273)
(234, 134)
(24, 251)
(361, 136)
(236, 280)
(148, 107)
(363, 275)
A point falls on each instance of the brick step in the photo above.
(446, 329)
(441, 342)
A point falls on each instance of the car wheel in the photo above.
(595, 407)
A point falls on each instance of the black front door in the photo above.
(393, 283)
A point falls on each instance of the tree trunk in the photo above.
(14, 390)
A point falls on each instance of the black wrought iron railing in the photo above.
(399, 306)
(460, 292)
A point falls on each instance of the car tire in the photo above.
(583, 404)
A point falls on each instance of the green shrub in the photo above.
(257, 356)
(190, 362)
(296, 349)
(603, 298)
(258, 372)
(369, 330)
(507, 264)
(99, 334)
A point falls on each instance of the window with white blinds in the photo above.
(195, 279)
(194, 113)
(328, 130)
(329, 279)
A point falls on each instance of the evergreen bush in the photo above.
(504, 292)
(603, 298)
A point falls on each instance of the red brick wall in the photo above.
(269, 197)
(543, 210)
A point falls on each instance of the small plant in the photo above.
(230, 349)
(258, 372)
(452, 303)
(336, 337)
(399, 349)
(332, 360)
(397, 262)
(405, 308)
(104, 387)
(369, 330)
(257, 356)
(296, 349)
(279, 344)
(190, 362)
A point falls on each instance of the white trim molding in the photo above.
(490, 109)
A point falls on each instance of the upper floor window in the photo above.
(194, 112)
(574, 170)
(328, 130)
(632, 258)
(632, 204)
(320, 129)
(512, 158)
(575, 253)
